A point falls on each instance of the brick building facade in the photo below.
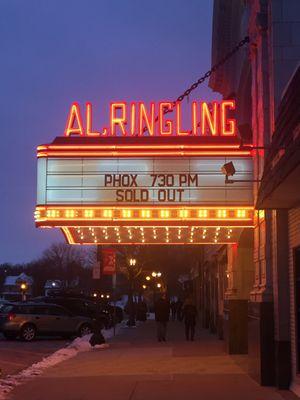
(255, 301)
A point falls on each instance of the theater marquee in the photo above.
(117, 187)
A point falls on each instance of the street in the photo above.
(136, 367)
(16, 355)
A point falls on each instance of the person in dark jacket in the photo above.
(141, 311)
(97, 338)
(179, 305)
(189, 313)
(162, 313)
(173, 309)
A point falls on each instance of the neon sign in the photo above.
(156, 119)
(147, 175)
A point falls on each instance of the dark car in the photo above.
(28, 320)
(78, 306)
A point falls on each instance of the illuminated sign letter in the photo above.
(209, 119)
(194, 118)
(74, 116)
(114, 120)
(89, 121)
(228, 126)
(144, 118)
(163, 124)
(179, 132)
(133, 119)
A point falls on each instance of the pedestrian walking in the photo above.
(173, 306)
(179, 305)
(162, 314)
(189, 313)
(141, 314)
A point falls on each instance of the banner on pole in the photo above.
(96, 270)
(109, 261)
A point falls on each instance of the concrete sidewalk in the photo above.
(136, 367)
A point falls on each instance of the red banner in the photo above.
(108, 261)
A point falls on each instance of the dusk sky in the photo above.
(59, 51)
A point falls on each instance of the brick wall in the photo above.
(294, 241)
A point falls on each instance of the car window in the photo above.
(6, 308)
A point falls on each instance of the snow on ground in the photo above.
(78, 345)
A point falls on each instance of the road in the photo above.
(136, 367)
(16, 355)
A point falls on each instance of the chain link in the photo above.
(205, 76)
(213, 69)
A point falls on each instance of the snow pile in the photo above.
(78, 345)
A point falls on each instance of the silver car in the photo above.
(28, 320)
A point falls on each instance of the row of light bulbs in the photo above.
(154, 232)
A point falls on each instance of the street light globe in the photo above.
(144, 287)
(159, 285)
(102, 296)
(154, 274)
(159, 274)
(23, 286)
(94, 294)
(148, 278)
(107, 296)
(132, 261)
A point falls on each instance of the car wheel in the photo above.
(85, 329)
(9, 335)
(28, 332)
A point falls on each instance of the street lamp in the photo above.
(132, 262)
(159, 285)
(144, 287)
(154, 274)
(158, 274)
(95, 294)
(148, 278)
(23, 288)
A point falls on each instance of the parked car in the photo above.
(79, 306)
(28, 320)
(3, 303)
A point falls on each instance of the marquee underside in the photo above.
(176, 235)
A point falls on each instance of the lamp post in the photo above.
(131, 276)
(23, 288)
(153, 282)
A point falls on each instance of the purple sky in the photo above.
(59, 51)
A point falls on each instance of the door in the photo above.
(64, 321)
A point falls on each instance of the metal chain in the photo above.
(205, 76)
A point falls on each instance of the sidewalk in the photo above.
(136, 367)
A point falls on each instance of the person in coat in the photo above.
(173, 309)
(141, 310)
(162, 313)
(97, 338)
(189, 313)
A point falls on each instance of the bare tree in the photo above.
(60, 255)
